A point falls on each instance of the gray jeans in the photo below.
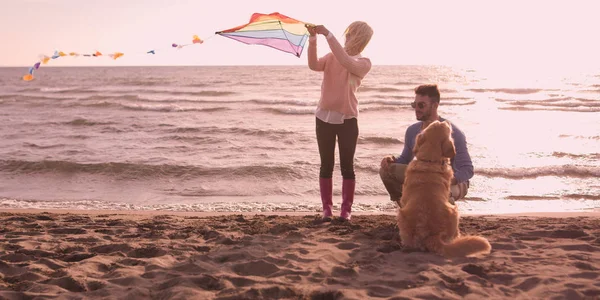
(393, 178)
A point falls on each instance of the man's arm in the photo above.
(463, 166)
(407, 152)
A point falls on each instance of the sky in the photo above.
(466, 33)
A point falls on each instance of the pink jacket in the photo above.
(341, 78)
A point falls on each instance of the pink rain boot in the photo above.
(347, 198)
(326, 187)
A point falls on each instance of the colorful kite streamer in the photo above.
(57, 54)
(196, 40)
(273, 30)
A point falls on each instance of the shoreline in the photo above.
(568, 214)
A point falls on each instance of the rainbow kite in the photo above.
(273, 30)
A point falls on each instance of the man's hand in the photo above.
(386, 161)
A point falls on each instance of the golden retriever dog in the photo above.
(426, 220)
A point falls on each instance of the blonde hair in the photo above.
(358, 34)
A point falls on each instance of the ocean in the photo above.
(242, 138)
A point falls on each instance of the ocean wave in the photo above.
(372, 105)
(560, 171)
(197, 140)
(507, 91)
(197, 93)
(136, 98)
(149, 107)
(593, 156)
(151, 81)
(85, 122)
(47, 89)
(197, 85)
(367, 108)
(586, 100)
(9, 96)
(170, 108)
(560, 102)
(273, 133)
(363, 89)
(446, 103)
(412, 83)
(106, 100)
(66, 90)
(98, 104)
(158, 102)
(370, 100)
(407, 100)
(281, 102)
(530, 197)
(249, 83)
(448, 91)
(142, 83)
(582, 196)
(25, 98)
(78, 137)
(29, 89)
(158, 98)
(218, 81)
(299, 205)
(136, 94)
(36, 146)
(290, 110)
(212, 109)
(534, 101)
(565, 109)
(379, 140)
(596, 137)
(567, 196)
(141, 170)
(170, 91)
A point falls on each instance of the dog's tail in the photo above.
(465, 246)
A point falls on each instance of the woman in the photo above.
(336, 115)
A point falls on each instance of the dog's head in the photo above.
(435, 142)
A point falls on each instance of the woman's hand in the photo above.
(311, 29)
(320, 29)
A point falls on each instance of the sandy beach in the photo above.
(164, 255)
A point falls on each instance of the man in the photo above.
(427, 100)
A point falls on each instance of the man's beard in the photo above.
(424, 116)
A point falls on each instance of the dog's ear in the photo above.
(448, 149)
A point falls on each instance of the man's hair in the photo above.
(430, 90)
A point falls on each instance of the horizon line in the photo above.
(242, 65)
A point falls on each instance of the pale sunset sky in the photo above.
(466, 33)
